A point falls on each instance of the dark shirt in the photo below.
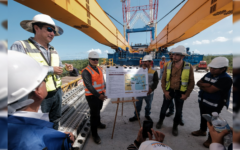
(87, 79)
(155, 81)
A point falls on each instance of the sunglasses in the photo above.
(51, 30)
(94, 59)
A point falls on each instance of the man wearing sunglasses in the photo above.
(95, 88)
(38, 47)
(177, 83)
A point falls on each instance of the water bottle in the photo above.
(220, 125)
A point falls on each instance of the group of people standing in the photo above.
(34, 104)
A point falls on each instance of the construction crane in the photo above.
(128, 17)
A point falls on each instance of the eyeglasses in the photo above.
(51, 30)
(94, 59)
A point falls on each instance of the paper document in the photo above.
(126, 82)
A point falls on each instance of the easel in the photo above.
(124, 101)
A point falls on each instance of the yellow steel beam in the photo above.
(194, 17)
(84, 15)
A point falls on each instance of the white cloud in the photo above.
(236, 39)
(106, 51)
(230, 32)
(96, 50)
(205, 41)
(197, 43)
(220, 39)
(196, 51)
(201, 42)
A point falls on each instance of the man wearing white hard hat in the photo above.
(28, 128)
(95, 90)
(38, 47)
(152, 144)
(152, 83)
(214, 94)
(161, 64)
(177, 84)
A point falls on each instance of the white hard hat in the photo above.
(163, 56)
(171, 50)
(147, 58)
(236, 62)
(24, 75)
(93, 54)
(180, 50)
(219, 62)
(41, 18)
(153, 145)
(3, 80)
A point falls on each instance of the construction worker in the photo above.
(177, 84)
(140, 62)
(39, 48)
(161, 64)
(28, 128)
(94, 84)
(214, 94)
(152, 82)
(171, 106)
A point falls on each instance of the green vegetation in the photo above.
(209, 58)
(78, 64)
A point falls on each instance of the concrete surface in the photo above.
(126, 132)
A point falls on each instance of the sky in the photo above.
(74, 44)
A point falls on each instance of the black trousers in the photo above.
(95, 105)
(176, 95)
(206, 109)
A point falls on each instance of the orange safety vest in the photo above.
(97, 81)
(162, 64)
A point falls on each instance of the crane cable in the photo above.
(171, 11)
(113, 18)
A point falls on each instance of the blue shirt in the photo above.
(17, 46)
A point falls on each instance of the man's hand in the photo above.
(102, 97)
(140, 138)
(68, 67)
(71, 136)
(149, 91)
(183, 97)
(202, 84)
(167, 96)
(216, 137)
(58, 70)
(158, 136)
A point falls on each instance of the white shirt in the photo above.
(36, 115)
(218, 146)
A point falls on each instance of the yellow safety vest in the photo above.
(184, 76)
(53, 82)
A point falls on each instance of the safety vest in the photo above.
(53, 82)
(150, 76)
(214, 99)
(97, 80)
(184, 76)
(30, 133)
(162, 64)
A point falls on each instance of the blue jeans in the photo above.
(52, 104)
(148, 100)
(178, 103)
(161, 73)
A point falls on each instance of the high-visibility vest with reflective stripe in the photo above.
(162, 64)
(53, 82)
(184, 76)
(97, 80)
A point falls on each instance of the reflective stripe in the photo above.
(210, 103)
(186, 67)
(90, 69)
(169, 65)
(185, 83)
